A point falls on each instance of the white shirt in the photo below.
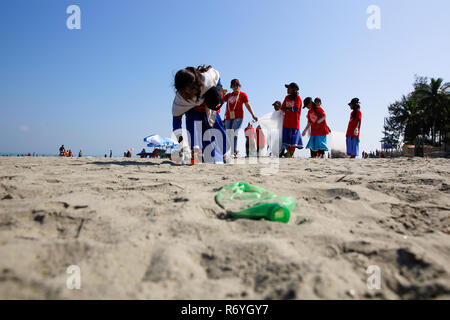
(180, 106)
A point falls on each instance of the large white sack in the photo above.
(272, 128)
(336, 142)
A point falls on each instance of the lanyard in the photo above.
(235, 104)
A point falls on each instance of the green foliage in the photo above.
(424, 111)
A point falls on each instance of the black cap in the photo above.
(355, 102)
(307, 101)
(292, 85)
(277, 103)
(214, 98)
(235, 82)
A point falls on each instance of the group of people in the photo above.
(24, 155)
(316, 125)
(68, 153)
(376, 154)
(200, 96)
(126, 154)
(254, 140)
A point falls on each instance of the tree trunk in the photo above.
(434, 133)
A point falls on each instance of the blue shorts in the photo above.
(316, 143)
(352, 146)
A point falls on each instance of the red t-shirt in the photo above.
(250, 133)
(292, 116)
(352, 125)
(260, 138)
(317, 129)
(230, 99)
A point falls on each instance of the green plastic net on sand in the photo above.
(248, 201)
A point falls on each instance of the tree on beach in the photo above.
(391, 132)
(425, 111)
(433, 99)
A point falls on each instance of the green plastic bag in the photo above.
(248, 201)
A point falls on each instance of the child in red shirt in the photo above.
(353, 128)
(292, 108)
(319, 128)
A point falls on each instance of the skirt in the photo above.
(352, 146)
(292, 138)
(316, 143)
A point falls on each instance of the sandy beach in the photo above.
(146, 229)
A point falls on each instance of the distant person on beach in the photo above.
(353, 129)
(70, 153)
(199, 96)
(260, 141)
(319, 129)
(234, 114)
(62, 151)
(250, 139)
(418, 146)
(110, 153)
(276, 105)
(80, 154)
(291, 107)
(143, 153)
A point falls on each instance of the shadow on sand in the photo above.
(132, 163)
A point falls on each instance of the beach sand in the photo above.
(146, 229)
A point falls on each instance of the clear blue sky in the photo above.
(109, 84)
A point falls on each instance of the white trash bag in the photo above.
(272, 128)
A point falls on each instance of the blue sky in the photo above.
(109, 85)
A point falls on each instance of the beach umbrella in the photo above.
(156, 140)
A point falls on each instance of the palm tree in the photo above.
(406, 118)
(433, 99)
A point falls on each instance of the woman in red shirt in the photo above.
(234, 115)
(353, 128)
(319, 128)
(292, 108)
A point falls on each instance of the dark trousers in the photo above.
(315, 154)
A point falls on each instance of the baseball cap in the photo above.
(355, 101)
(307, 101)
(292, 85)
(214, 98)
(235, 82)
(277, 104)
